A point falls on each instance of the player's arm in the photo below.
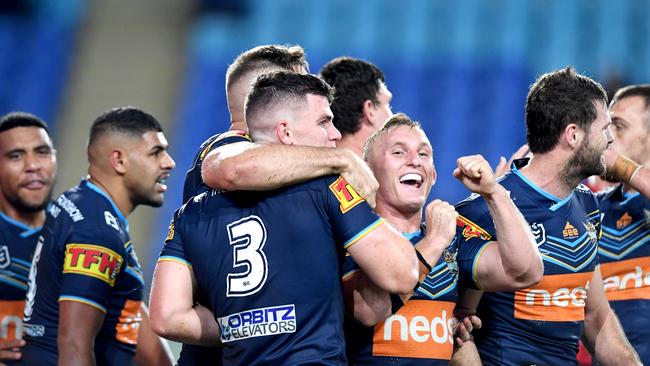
(603, 336)
(371, 304)
(173, 313)
(152, 350)
(514, 261)
(621, 169)
(79, 323)
(255, 167)
(10, 350)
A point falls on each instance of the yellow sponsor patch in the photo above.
(471, 229)
(92, 260)
(345, 194)
(170, 232)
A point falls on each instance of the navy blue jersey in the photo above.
(192, 354)
(193, 182)
(539, 325)
(17, 243)
(624, 252)
(420, 333)
(269, 265)
(84, 254)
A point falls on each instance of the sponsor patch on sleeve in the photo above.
(471, 229)
(92, 260)
(345, 194)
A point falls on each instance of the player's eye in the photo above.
(14, 155)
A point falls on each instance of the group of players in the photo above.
(305, 238)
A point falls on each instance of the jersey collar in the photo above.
(559, 202)
(101, 192)
(27, 231)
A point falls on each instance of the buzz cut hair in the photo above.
(128, 120)
(286, 57)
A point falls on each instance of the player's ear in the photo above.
(285, 135)
(118, 161)
(573, 135)
(368, 110)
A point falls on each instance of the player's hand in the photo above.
(10, 350)
(441, 222)
(476, 174)
(504, 165)
(360, 177)
(465, 328)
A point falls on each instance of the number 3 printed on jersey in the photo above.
(247, 237)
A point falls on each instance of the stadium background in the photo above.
(460, 67)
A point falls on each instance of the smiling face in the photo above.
(402, 162)
(27, 168)
(148, 170)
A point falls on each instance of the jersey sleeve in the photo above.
(174, 249)
(193, 182)
(92, 261)
(474, 232)
(351, 216)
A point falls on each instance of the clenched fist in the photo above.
(476, 174)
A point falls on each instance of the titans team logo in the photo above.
(646, 213)
(450, 259)
(5, 258)
(591, 231)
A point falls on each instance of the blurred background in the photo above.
(460, 67)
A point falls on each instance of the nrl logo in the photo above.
(646, 213)
(5, 258)
(539, 232)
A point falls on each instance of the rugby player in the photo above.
(285, 247)
(624, 248)
(362, 102)
(568, 129)
(233, 162)
(401, 157)
(84, 302)
(27, 171)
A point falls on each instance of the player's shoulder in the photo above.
(586, 196)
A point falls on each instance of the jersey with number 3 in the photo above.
(84, 254)
(270, 264)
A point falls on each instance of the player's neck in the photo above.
(31, 219)
(403, 221)
(351, 142)
(238, 125)
(546, 171)
(115, 190)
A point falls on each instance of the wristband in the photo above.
(423, 261)
(623, 170)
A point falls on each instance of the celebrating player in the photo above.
(401, 157)
(27, 171)
(84, 303)
(567, 132)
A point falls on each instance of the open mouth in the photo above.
(411, 179)
(162, 182)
